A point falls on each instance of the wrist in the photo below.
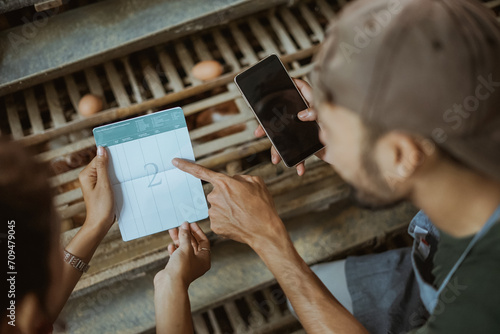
(95, 229)
(85, 242)
(277, 237)
(169, 283)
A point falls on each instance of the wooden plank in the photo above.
(226, 51)
(68, 197)
(200, 48)
(170, 71)
(94, 83)
(152, 78)
(295, 29)
(274, 313)
(243, 151)
(243, 44)
(199, 324)
(326, 10)
(255, 311)
(234, 317)
(73, 91)
(186, 61)
(54, 104)
(194, 107)
(12, 116)
(284, 38)
(213, 322)
(301, 71)
(67, 149)
(131, 78)
(217, 126)
(116, 84)
(33, 111)
(64, 178)
(47, 4)
(286, 41)
(263, 37)
(313, 23)
(227, 141)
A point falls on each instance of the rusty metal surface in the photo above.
(126, 306)
(56, 45)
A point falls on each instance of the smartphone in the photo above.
(275, 100)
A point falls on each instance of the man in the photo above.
(407, 95)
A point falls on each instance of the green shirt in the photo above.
(470, 303)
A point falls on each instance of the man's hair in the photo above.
(27, 215)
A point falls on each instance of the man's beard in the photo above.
(367, 200)
(383, 197)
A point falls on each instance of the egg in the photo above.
(207, 70)
(89, 104)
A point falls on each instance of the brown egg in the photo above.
(89, 104)
(207, 70)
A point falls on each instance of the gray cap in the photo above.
(430, 67)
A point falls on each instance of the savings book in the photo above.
(151, 195)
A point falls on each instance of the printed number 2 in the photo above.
(155, 167)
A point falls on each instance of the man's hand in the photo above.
(97, 192)
(307, 115)
(243, 210)
(189, 256)
(241, 207)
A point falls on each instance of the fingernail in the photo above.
(273, 159)
(185, 226)
(304, 114)
(175, 162)
(100, 151)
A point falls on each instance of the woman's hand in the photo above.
(189, 259)
(97, 192)
(307, 115)
(98, 197)
(189, 256)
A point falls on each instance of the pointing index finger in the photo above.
(196, 170)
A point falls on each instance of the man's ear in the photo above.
(400, 155)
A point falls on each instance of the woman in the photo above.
(44, 275)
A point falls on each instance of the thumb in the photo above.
(307, 115)
(101, 164)
(185, 236)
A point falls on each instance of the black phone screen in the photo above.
(275, 100)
